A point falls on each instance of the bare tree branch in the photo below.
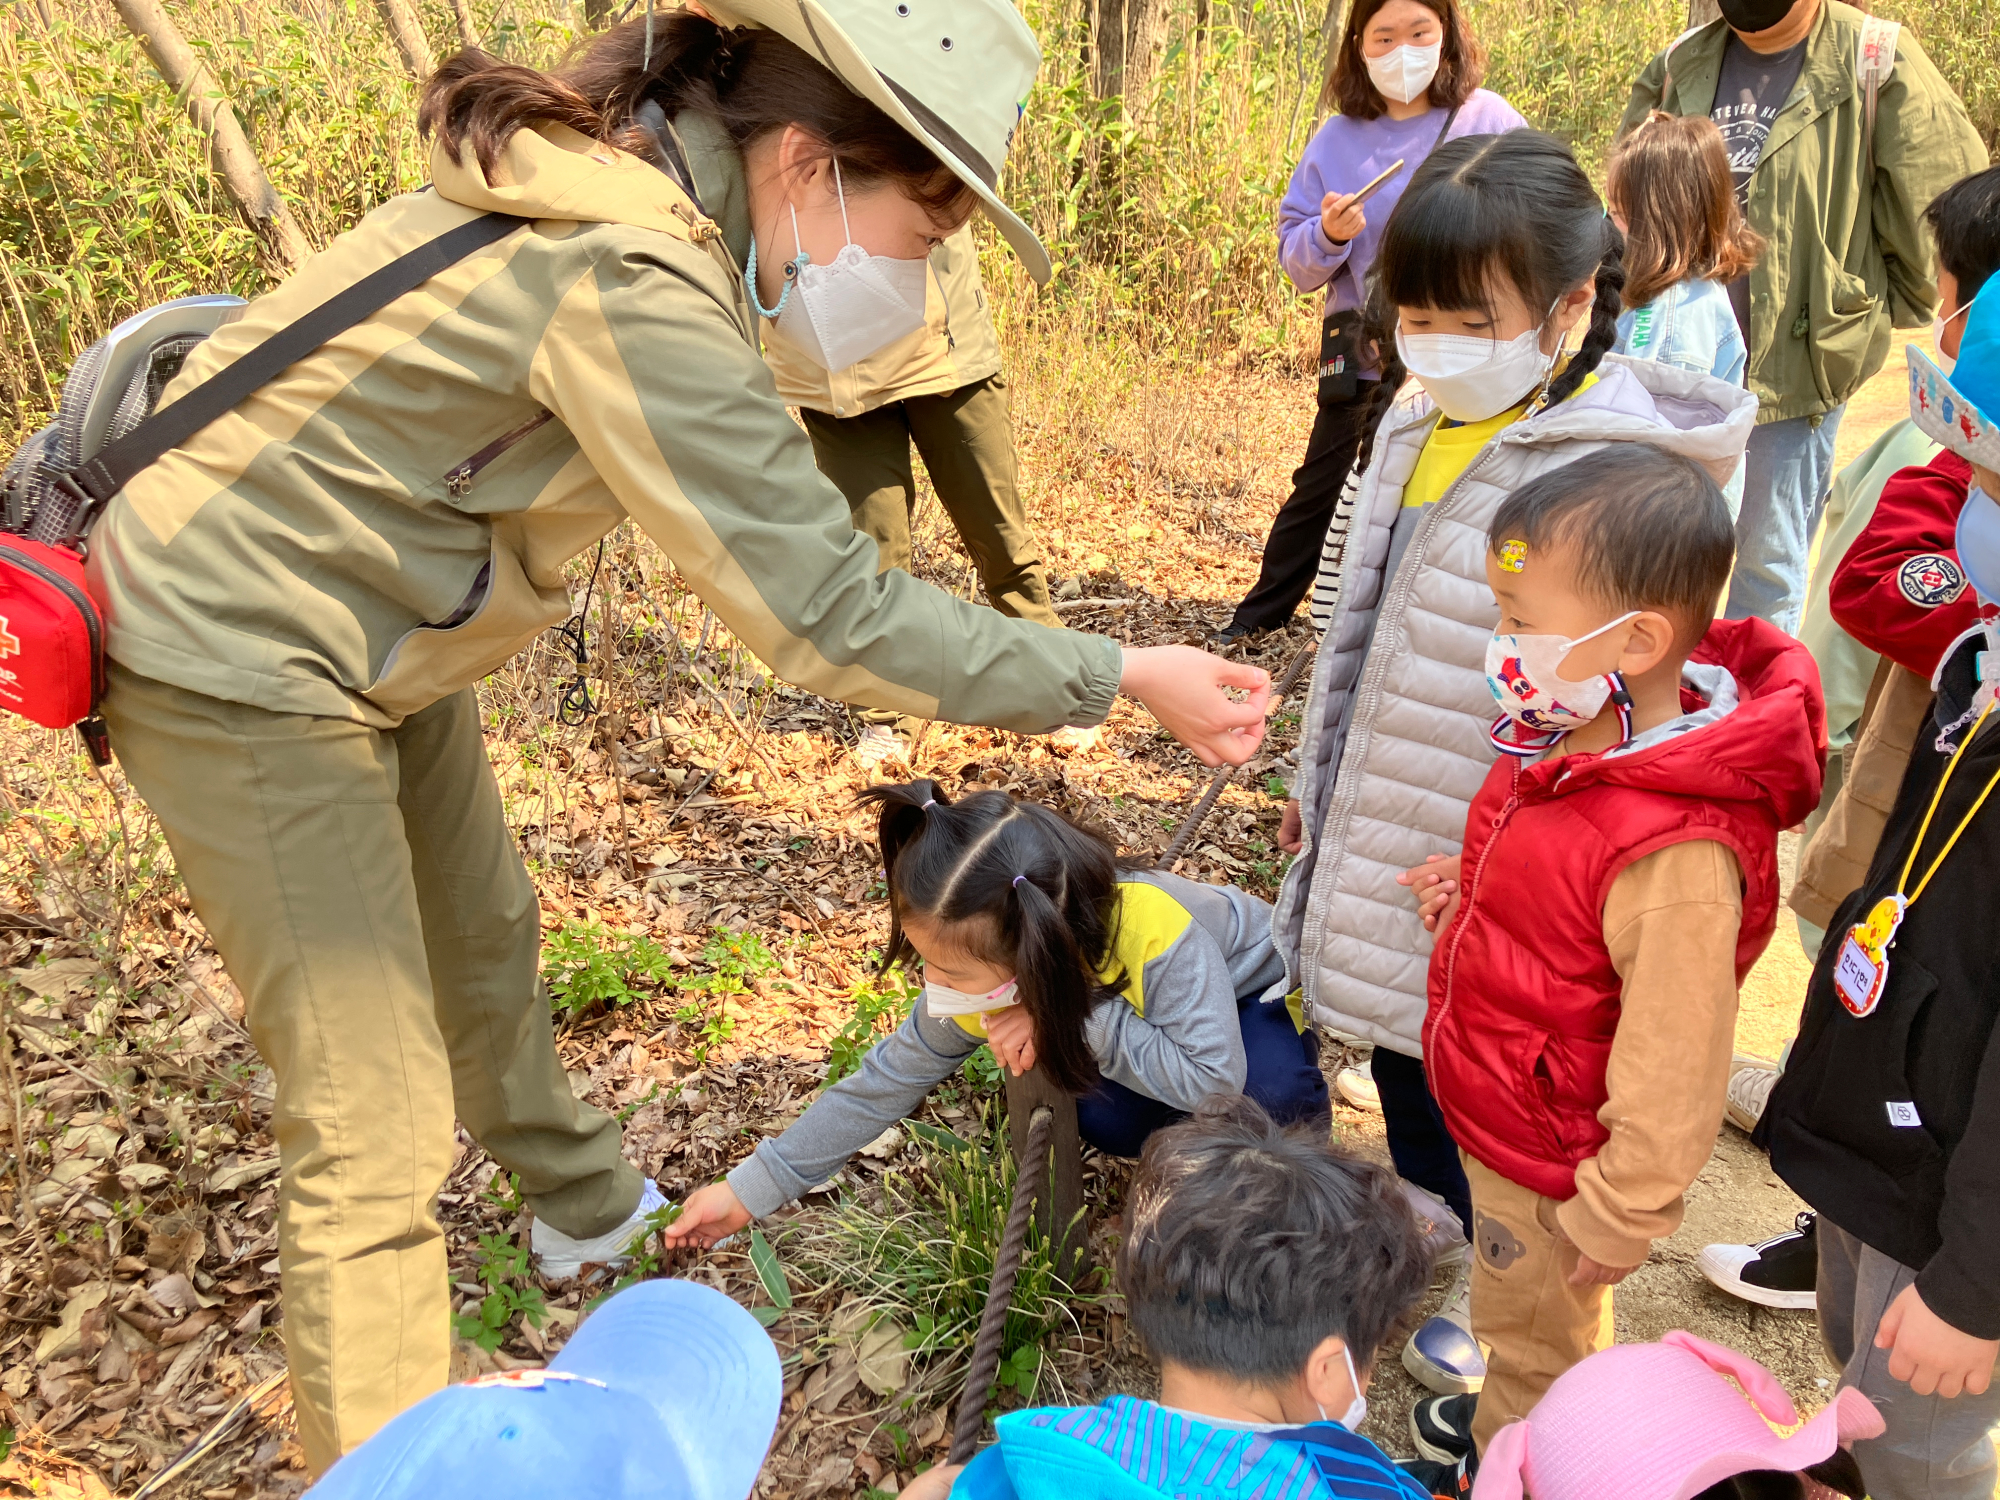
(407, 32)
(242, 175)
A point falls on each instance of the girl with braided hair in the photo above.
(1496, 255)
(1137, 991)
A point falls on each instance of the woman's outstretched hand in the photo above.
(1189, 692)
(711, 1213)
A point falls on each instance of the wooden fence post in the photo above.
(235, 163)
(407, 32)
(1056, 1210)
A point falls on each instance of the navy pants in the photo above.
(1284, 1077)
(1419, 1144)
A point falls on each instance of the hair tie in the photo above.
(1017, 881)
(928, 805)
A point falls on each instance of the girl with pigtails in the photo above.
(1499, 251)
(1139, 992)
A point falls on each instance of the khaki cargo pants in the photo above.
(1523, 1308)
(367, 897)
(966, 438)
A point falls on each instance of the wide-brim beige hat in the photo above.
(954, 73)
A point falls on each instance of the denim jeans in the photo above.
(1786, 475)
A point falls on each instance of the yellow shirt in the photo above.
(1453, 446)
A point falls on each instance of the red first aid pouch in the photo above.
(51, 635)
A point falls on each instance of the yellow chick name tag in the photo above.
(1862, 967)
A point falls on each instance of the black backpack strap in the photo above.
(98, 479)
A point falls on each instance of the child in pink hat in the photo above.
(1660, 1422)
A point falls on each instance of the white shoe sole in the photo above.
(1358, 1090)
(1723, 1266)
(1441, 1381)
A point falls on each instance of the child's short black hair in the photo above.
(1248, 1245)
(1965, 219)
(1650, 528)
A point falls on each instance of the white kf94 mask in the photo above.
(839, 314)
(1404, 72)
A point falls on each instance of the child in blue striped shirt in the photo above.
(1263, 1269)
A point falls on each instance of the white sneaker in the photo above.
(1357, 1087)
(1751, 1080)
(559, 1256)
(1442, 1354)
(878, 743)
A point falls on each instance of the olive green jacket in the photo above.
(1846, 262)
(955, 347)
(388, 521)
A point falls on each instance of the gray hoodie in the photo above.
(1187, 950)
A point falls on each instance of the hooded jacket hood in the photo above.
(1753, 731)
(553, 172)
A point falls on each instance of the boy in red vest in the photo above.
(1619, 879)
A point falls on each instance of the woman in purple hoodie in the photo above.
(1405, 77)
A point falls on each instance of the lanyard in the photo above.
(1936, 798)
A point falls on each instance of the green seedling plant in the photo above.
(503, 1268)
(880, 1004)
(735, 960)
(585, 965)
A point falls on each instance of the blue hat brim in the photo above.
(702, 1363)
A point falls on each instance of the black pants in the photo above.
(1419, 1144)
(1291, 552)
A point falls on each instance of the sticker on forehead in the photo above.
(1513, 555)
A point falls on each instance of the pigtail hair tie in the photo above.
(928, 805)
(1017, 881)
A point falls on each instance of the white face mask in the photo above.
(1472, 378)
(1405, 72)
(943, 1000)
(1939, 322)
(837, 315)
(1357, 1409)
(1524, 673)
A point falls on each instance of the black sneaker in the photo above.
(1452, 1481)
(1229, 635)
(1783, 1271)
(1442, 1427)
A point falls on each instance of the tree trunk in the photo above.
(597, 13)
(1107, 48)
(1145, 41)
(407, 32)
(468, 34)
(284, 243)
(1126, 39)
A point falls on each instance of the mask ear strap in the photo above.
(846, 234)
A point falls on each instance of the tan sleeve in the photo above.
(1670, 922)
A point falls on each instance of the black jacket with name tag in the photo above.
(1920, 1182)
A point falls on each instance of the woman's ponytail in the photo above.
(1602, 335)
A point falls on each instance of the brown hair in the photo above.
(752, 82)
(1669, 180)
(1461, 64)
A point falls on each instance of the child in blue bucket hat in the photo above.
(669, 1391)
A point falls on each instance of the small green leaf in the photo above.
(932, 1135)
(766, 1316)
(765, 1260)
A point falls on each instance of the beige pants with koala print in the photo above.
(1535, 1323)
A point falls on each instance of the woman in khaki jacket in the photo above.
(300, 599)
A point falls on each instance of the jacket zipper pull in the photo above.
(458, 483)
